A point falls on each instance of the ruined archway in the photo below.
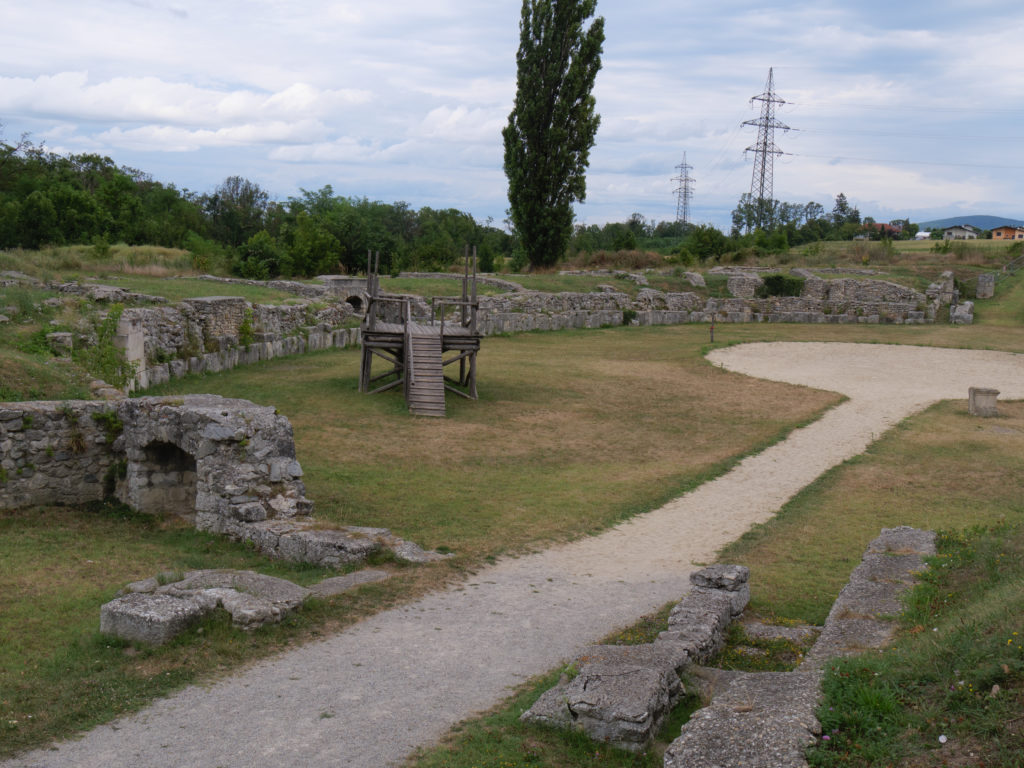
(355, 302)
(162, 480)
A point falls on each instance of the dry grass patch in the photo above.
(573, 432)
(939, 469)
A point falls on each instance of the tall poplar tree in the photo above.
(553, 123)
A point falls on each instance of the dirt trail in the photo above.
(372, 694)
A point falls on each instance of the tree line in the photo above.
(809, 222)
(52, 199)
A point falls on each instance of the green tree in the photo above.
(37, 221)
(553, 124)
(259, 258)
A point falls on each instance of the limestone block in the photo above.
(962, 314)
(727, 577)
(986, 286)
(551, 709)
(981, 401)
(339, 584)
(249, 512)
(622, 705)
(148, 618)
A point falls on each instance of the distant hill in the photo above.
(981, 222)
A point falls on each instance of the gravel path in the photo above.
(370, 695)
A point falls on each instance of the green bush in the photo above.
(780, 285)
(246, 334)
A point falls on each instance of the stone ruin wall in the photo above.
(205, 335)
(53, 453)
(228, 466)
(222, 463)
(822, 301)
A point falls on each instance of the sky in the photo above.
(911, 109)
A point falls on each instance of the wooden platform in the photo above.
(415, 350)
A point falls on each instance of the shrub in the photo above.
(780, 285)
(246, 335)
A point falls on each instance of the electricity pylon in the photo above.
(761, 182)
(684, 192)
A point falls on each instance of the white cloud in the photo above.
(462, 124)
(130, 99)
(408, 98)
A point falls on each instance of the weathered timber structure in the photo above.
(414, 351)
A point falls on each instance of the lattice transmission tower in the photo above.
(761, 182)
(684, 192)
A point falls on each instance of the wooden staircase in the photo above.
(425, 375)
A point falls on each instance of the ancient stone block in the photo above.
(728, 577)
(148, 618)
(962, 314)
(981, 401)
(986, 288)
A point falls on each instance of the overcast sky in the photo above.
(910, 108)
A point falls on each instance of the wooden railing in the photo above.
(469, 310)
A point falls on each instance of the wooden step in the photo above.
(426, 385)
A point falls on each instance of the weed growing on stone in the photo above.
(749, 654)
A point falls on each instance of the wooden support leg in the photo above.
(364, 370)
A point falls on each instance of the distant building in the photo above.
(926, 235)
(1008, 233)
(961, 232)
(886, 230)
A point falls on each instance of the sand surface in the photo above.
(373, 693)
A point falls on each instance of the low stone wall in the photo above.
(842, 301)
(305, 290)
(622, 694)
(207, 334)
(53, 453)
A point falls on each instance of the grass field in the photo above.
(940, 470)
(560, 445)
(573, 432)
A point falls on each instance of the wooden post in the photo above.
(472, 308)
(465, 281)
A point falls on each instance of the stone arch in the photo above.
(356, 302)
(161, 478)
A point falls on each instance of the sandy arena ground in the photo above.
(372, 694)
